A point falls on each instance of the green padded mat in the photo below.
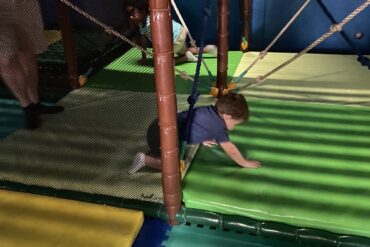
(127, 74)
(325, 78)
(315, 173)
(194, 236)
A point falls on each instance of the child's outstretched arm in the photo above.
(233, 152)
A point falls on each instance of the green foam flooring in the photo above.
(315, 173)
(185, 235)
(320, 78)
(125, 73)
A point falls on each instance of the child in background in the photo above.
(210, 126)
(138, 11)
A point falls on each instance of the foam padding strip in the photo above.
(315, 173)
(33, 220)
(193, 235)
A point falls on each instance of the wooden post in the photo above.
(222, 43)
(68, 43)
(161, 29)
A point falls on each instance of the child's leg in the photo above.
(212, 49)
(193, 50)
(141, 160)
(187, 57)
(181, 59)
(153, 162)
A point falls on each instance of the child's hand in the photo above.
(209, 143)
(251, 164)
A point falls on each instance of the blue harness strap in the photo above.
(193, 97)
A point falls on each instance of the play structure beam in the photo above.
(161, 29)
(222, 43)
(68, 43)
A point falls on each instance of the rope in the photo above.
(360, 57)
(333, 28)
(263, 53)
(192, 41)
(193, 98)
(111, 31)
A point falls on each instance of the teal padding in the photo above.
(315, 168)
(11, 117)
(195, 235)
(125, 73)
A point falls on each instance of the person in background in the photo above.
(21, 39)
(138, 11)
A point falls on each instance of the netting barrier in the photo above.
(90, 146)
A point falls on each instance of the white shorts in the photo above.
(179, 45)
(21, 27)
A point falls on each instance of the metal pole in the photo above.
(161, 29)
(69, 47)
(223, 44)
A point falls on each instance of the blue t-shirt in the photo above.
(206, 125)
(145, 29)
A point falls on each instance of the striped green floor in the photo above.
(315, 173)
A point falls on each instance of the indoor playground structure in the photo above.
(304, 68)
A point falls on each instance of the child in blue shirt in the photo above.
(210, 126)
(139, 17)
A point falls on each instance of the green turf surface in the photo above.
(125, 73)
(185, 235)
(315, 173)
